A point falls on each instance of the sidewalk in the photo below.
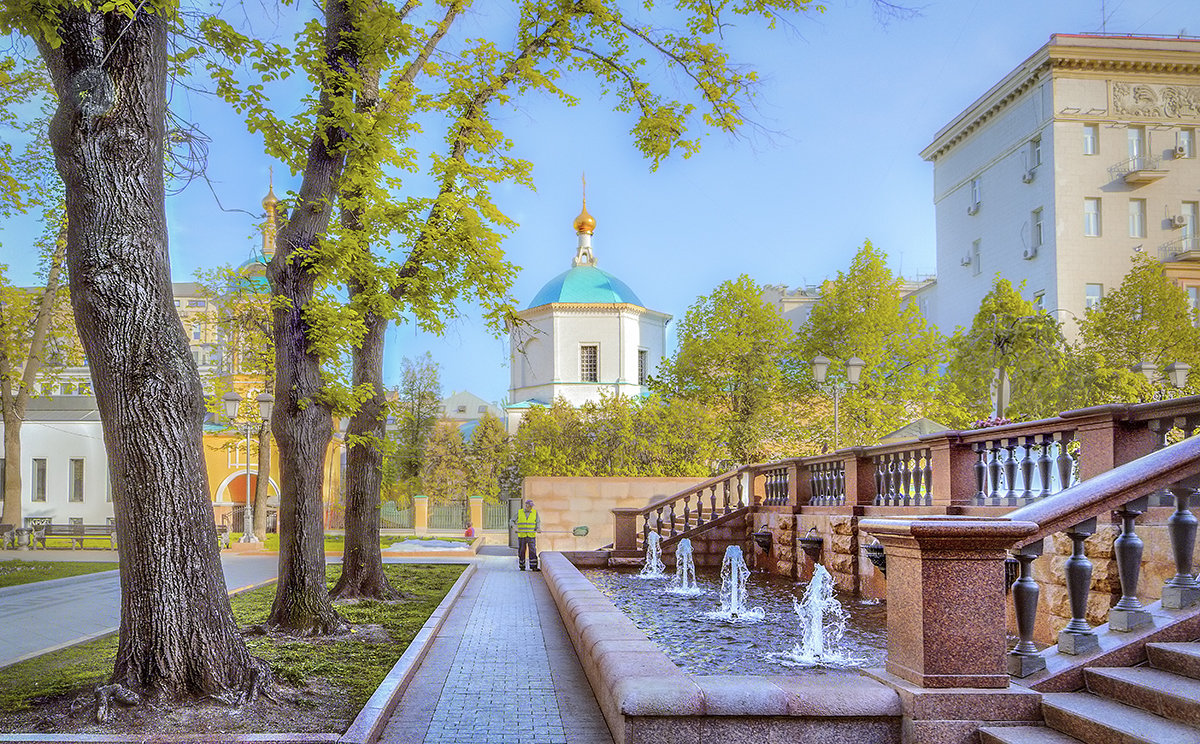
(51, 614)
(501, 670)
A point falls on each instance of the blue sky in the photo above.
(847, 102)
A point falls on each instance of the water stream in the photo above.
(654, 568)
(683, 582)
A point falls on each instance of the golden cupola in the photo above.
(585, 223)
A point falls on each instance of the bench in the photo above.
(8, 536)
(224, 535)
(77, 533)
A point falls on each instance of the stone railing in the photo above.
(946, 574)
(679, 515)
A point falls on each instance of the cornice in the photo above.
(592, 309)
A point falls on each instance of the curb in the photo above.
(18, 589)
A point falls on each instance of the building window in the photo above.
(1039, 301)
(642, 354)
(1137, 147)
(482, 409)
(85, 388)
(1092, 295)
(197, 332)
(76, 521)
(39, 479)
(1035, 152)
(67, 388)
(76, 476)
(976, 269)
(976, 195)
(589, 363)
(176, 303)
(460, 409)
(1091, 217)
(1191, 215)
(1137, 218)
(1091, 139)
(2, 474)
(195, 303)
(1185, 143)
(1036, 229)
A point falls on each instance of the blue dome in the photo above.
(254, 272)
(585, 284)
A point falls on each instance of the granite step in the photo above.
(1023, 735)
(1155, 690)
(1180, 658)
(1091, 718)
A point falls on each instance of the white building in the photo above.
(1083, 154)
(584, 334)
(64, 466)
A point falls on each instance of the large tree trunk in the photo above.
(362, 564)
(302, 419)
(262, 487)
(178, 636)
(12, 471)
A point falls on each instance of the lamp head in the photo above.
(1177, 373)
(231, 401)
(854, 368)
(266, 402)
(820, 366)
(1148, 370)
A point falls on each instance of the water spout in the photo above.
(654, 567)
(822, 625)
(684, 582)
(734, 574)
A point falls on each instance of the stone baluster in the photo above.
(699, 508)
(880, 485)
(980, 473)
(827, 484)
(928, 478)
(687, 512)
(994, 471)
(725, 495)
(1025, 659)
(841, 484)
(1181, 590)
(1027, 469)
(815, 486)
(1078, 637)
(741, 496)
(645, 533)
(1010, 472)
(1064, 462)
(1127, 614)
(907, 465)
(712, 502)
(1044, 464)
(918, 478)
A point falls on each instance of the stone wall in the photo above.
(781, 523)
(708, 547)
(567, 503)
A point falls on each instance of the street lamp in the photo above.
(265, 403)
(820, 368)
(1176, 373)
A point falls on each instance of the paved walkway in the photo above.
(501, 670)
(60, 612)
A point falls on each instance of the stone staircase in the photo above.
(1156, 703)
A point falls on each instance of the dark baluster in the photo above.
(687, 512)
(918, 477)
(658, 523)
(928, 478)
(673, 531)
(1182, 590)
(880, 486)
(1027, 469)
(1127, 613)
(712, 495)
(645, 533)
(907, 465)
(1078, 637)
(980, 474)
(994, 471)
(815, 484)
(699, 508)
(1025, 659)
(741, 495)
(1010, 472)
(1044, 464)
(1064, 462)
(725, 495)
(827, 485)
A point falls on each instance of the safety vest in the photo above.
(527, 523)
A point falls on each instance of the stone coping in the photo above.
(365, 728)
(643, 694)
(470, 552)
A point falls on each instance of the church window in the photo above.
(589, 363)
(76, 479)
(642, 366)
(39, 480)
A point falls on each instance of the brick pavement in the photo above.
(501, 670)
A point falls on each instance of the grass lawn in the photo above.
(27, 572)
(336, 543)
(351, 666)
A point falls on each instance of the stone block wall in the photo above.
(781, 559)
(708, 547)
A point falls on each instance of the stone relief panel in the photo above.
(1160, 101)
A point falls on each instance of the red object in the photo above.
(469, 532)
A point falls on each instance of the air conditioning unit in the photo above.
(965, 260)
(1028, 175)
(973, 208)
(1029, 253)
(1180, 151)
(1178, 221)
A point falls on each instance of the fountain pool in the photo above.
(682, 626)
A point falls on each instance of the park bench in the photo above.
(224, 534)
(8, 536)
(77, 533)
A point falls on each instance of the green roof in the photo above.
(585, 284)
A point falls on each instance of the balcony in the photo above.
(1186, 248)
(1138, 170)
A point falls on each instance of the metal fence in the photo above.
(393, 517)
(449, 517)
(495, 516)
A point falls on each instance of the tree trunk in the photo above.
(12, 471)
(262, 488)
(362, 564)
(178, 636)
(302, 420)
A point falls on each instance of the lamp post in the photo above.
(820, 368)
(1175, 373)
(265, 403)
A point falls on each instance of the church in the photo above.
(584, 335)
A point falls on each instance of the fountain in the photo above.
(733, 589)
(653, 568)
(684, 582)
(822, 625)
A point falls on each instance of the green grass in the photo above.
(353, 667)
(336, 543)
(84, 543)
(27, 572)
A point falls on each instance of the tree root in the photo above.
(106, 695)
(260, 686)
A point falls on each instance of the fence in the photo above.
(495, 516)
(447, 517)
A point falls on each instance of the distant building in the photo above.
(1083, 154)
(795, 305)
(584, 334)
(464, 410)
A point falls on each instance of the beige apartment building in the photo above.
(1082, 155)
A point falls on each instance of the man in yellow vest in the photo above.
(528, 524)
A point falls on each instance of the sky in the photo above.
(848, 101)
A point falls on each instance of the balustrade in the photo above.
(904, 478)
(1006, 467)
(827, 482)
